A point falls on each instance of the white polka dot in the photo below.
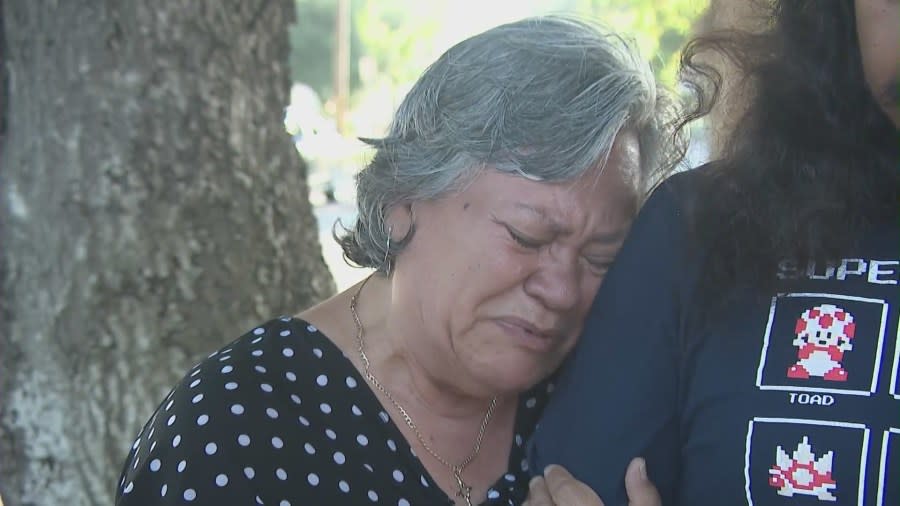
(243, 440)
(524, 465)
(227, 369)
(265, 387)
(331, 435)
(384, 417)
(313, 479)
(258, 331)
(152, 429)
(310, 449)
(284, 502)
(287, 352)
(136, 462)
(303, 420)
(290, 376)
(258, 500)
(237, 409)
(322, 380)
(423, 481)
(176, 440)
(296, 399)
(519, 440)
(152, 446)
(202, 419)
(362, 440)
(339, 458)
(155, 464)
(169, 405)
(181, 466)
(163, 490)
(170, 421)
(398, 476)
(493, 494)
(311, 328)
(194, 373)
(392, 445)
(189, 494)
(509, 477)
(271, 413)
(258, 339)
(260, 369)
(249, 473)
(368, 468)
(281, 474)
(128, 488)
(257, 353)
(231, 385)
(317, 352)
(531, 402)
(344, 486)
(351, 383)
(356, 411)
(224, 358)
(402, 502)
(137, 443)
(195, 382)
(373, 496)
(211, 448)
(221, 480)
(284, 333)
(325, 407)
(277, 443)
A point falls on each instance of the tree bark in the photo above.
(153, 209)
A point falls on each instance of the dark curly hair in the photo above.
(811, 162)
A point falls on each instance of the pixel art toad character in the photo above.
(823, 335)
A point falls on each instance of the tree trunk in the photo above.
(153, 209)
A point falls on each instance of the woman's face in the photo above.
(500, 275)
(878, 28)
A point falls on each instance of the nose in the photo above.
(556, 284)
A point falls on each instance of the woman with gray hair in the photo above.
(491, 211)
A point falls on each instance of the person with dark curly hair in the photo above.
(745, 342)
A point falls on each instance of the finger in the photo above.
(641, 491)
(538, 494)
(565, 490)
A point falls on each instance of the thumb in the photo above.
(641, 491)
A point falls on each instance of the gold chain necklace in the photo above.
(465, 490)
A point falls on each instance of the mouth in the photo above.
(529, 335)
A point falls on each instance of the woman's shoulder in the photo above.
(242, 403)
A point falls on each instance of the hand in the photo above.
(559, 488)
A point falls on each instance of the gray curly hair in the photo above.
(542, 97)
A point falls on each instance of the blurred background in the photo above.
(170, 175)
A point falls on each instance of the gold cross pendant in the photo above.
(465, 491)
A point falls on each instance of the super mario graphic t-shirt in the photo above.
(785, 399)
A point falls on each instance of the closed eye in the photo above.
(599, 265)
(523, 240)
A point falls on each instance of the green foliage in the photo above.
(312, 39)
(659, 28)
(397, 36)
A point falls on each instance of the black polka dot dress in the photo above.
(281, 417)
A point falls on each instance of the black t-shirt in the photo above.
(281, 417)
(784, 399)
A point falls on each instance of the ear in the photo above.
(400, 220)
